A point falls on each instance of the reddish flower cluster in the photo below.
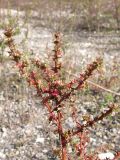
(21, 66)
(54, 92)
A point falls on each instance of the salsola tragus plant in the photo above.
(56, 93)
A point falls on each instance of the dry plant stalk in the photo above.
(54, 92)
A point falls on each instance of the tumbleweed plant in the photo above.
(58, 96)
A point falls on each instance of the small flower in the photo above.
(21, 66)
(55, 93)
(9, 32)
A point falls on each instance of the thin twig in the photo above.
(97, 85)
(105, 89)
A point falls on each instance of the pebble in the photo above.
(45, 151)
(40, 140)
(2, 155)
(104, 156)
(70, 123)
